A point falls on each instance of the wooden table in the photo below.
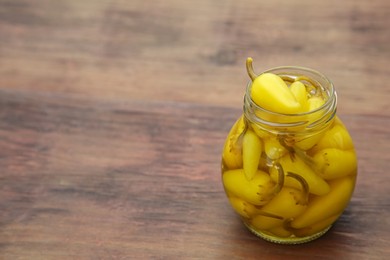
(113, 115)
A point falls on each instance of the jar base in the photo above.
(288, 240)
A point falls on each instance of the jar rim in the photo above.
(332, 95)
(325, 112)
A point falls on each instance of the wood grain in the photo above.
(113, 115)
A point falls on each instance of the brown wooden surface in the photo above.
(113, 115)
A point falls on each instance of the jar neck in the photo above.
(312, 121)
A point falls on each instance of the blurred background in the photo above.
(193, 51)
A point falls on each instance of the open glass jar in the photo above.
(289, 174)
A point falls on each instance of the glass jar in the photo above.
(290, 175)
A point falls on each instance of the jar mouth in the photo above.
(322, 114)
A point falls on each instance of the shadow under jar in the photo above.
(290, 175)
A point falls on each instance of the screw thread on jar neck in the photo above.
(311, 121)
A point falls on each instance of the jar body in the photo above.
(289, 177)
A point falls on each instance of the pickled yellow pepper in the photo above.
(253, 191)
(323, 207)
(269, 91)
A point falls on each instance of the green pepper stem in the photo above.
(302, 200)
(249, 68)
